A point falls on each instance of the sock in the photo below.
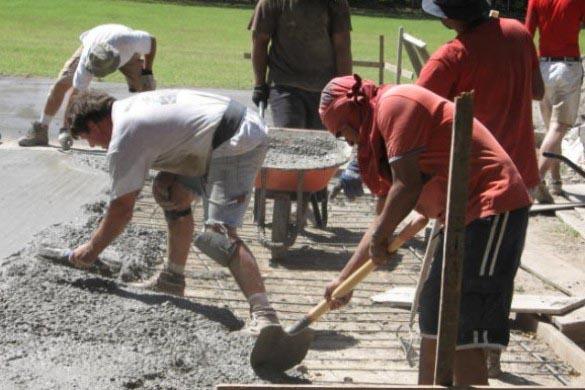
(46, 119)
(176, 268)
(258, 301)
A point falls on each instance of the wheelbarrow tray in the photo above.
(315, 154)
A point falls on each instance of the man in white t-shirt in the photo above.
(103, 49)
(203, 145)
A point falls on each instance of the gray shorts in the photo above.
(227, 188)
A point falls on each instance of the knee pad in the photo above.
(172, 215)
(217, 246)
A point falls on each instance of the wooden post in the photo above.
(453, 251)
(381, 59)
(399, 55)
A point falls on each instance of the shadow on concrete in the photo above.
(516, 380)
(328, 340)
(307, 258)
(103, 286)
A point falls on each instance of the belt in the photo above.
(568, 59)
(230, 123)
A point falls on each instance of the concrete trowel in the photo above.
(280, 350)
(60, 256)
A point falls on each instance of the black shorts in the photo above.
(493, 247)
(295, 108)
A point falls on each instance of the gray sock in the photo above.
(259, 301)
(175, 268)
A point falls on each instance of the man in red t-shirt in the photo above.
(558, 22)
(404, 134)
(496, 58)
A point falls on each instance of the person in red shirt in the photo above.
(403, 135)
(558, 23)
(496, 58)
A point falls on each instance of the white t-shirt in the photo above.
(127, 41)
(171, 130)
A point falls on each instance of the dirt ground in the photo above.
(63, 328)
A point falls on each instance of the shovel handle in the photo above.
(361, 273)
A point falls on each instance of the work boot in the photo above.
(260, 319)
(493, 363)
(541, 194)
(36, 136)
(556, 188)
(166, 282)
(65, 138)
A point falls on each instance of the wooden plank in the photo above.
(574, 192)
(405, 73)
(572, 324)
(379, 387)
(418, 43)
(564, 347)
(552, 268)
(413, 56)
(540, 208)
(573, 220)
(521, 303)
(453, 251)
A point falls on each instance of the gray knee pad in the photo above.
(171, 215)
(217, 246)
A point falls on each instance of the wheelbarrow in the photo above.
(297, 168)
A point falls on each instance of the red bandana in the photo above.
(349, 100)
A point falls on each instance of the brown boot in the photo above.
(165, 282)
(36, 136)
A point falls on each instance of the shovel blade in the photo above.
(277, 350)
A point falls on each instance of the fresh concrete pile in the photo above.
(291, 149)
(64, 328)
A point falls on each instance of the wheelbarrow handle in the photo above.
(261, 109)
(564, 159)
(354, 279)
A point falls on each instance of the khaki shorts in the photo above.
(562, 85)
(132, 70)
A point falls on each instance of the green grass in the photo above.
(197, 45)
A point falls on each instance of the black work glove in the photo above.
(260, 94)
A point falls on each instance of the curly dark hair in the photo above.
(88, 105)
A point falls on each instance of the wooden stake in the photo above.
(381, 61)
(453, 251)
(399, 55)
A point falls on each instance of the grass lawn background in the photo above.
(198, 45)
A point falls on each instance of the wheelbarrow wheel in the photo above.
(280, 223)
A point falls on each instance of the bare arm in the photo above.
(149, 58)
(406, 187)
(260, 56)
(70, 100)
(117, 217)
(342, 47)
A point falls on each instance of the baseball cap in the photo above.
(464, 10)
(102, 60)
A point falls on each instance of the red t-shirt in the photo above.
(558, 22)
(497, 60)
(413, 119)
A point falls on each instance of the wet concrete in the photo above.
(65, 328)
(290, 149)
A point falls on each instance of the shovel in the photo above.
(60, 256)
(280, 350)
